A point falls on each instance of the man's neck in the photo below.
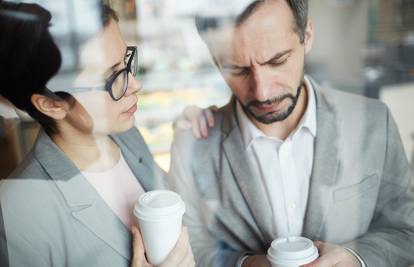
(283, 129)
(90, 152)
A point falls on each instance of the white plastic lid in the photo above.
(159, 205)
(292, 251)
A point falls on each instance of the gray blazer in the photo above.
(359, 188)
(51, 216)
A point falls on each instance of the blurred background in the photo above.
(364, 47)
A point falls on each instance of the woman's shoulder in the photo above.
(24, 180)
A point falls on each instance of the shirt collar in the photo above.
(250, 132)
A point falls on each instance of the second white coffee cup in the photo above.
(292, 252)
(159, 215)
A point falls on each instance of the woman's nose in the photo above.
(134, 85)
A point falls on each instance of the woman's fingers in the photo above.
(199, 120)
(138, 250)
(202, 124)
(181, 124)
(179, 252)
(208, 113)
(188, 260)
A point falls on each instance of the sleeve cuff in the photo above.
(361, 261)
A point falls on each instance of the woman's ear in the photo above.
(56, 109)
(309, 36)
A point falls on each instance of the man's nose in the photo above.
(260, 84)
(134, 85)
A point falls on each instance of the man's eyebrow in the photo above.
(231, 66)
(276, 56)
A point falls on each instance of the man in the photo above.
(289, 158)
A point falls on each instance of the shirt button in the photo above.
(292, 205)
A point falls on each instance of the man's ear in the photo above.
(56, 109)
(308, 36)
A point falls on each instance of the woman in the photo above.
(70, 202)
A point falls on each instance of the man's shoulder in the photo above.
(351, 106)
(348, 100)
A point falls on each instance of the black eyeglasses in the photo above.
(117, 83)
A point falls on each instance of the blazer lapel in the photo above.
(246, 176)
(82, 199)
(325, 166)
(140, 160)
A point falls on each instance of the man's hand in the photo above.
(256, 261)
(333, 256)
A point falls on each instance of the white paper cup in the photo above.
(292, 252)
(159, 215)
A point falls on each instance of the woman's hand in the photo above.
(180, 256)
(199, 120)
(138, 250)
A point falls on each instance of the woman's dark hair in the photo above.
(29, 57)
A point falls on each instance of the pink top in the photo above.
(119, 188)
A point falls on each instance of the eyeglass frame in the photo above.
(109, 82)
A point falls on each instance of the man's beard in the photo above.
(276, 116)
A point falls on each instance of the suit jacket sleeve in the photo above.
(390, 239)
(207, 249)
(13, 246)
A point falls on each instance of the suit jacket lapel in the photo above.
(140, 161)
(246, 176)
(325, 166)
(82, 199)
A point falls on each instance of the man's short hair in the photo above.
(299, 9)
